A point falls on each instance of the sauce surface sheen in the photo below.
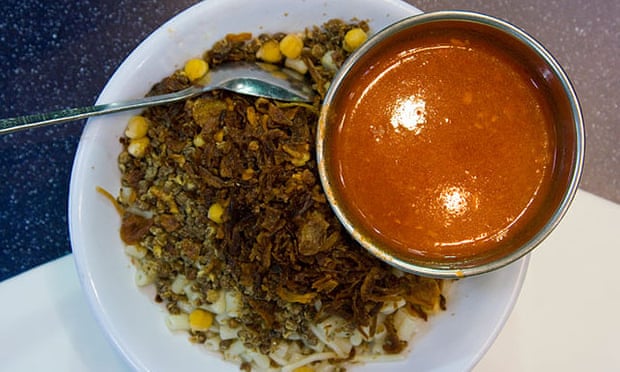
(441, 149)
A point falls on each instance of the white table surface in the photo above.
(567, 317)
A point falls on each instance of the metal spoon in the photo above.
(255, 79)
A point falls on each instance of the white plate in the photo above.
(456, 339)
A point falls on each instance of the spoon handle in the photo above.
(37, 120)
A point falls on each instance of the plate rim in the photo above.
(77, 195)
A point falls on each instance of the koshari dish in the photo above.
(224, 213)
(441, 145)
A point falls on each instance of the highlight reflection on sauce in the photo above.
(409, 113)
(442, 150)
(456, 202)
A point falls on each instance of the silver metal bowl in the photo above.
(570, 140)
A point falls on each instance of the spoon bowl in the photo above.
(254, 79)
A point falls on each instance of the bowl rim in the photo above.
(453, 271)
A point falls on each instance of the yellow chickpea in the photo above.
(196, 68)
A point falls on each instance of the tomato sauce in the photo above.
(441, 145)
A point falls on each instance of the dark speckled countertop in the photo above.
(57, 54)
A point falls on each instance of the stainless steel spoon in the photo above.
(255, 79)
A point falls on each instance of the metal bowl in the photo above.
(569, 137)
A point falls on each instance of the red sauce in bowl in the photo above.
(441, 145)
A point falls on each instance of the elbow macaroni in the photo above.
(336, 340)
